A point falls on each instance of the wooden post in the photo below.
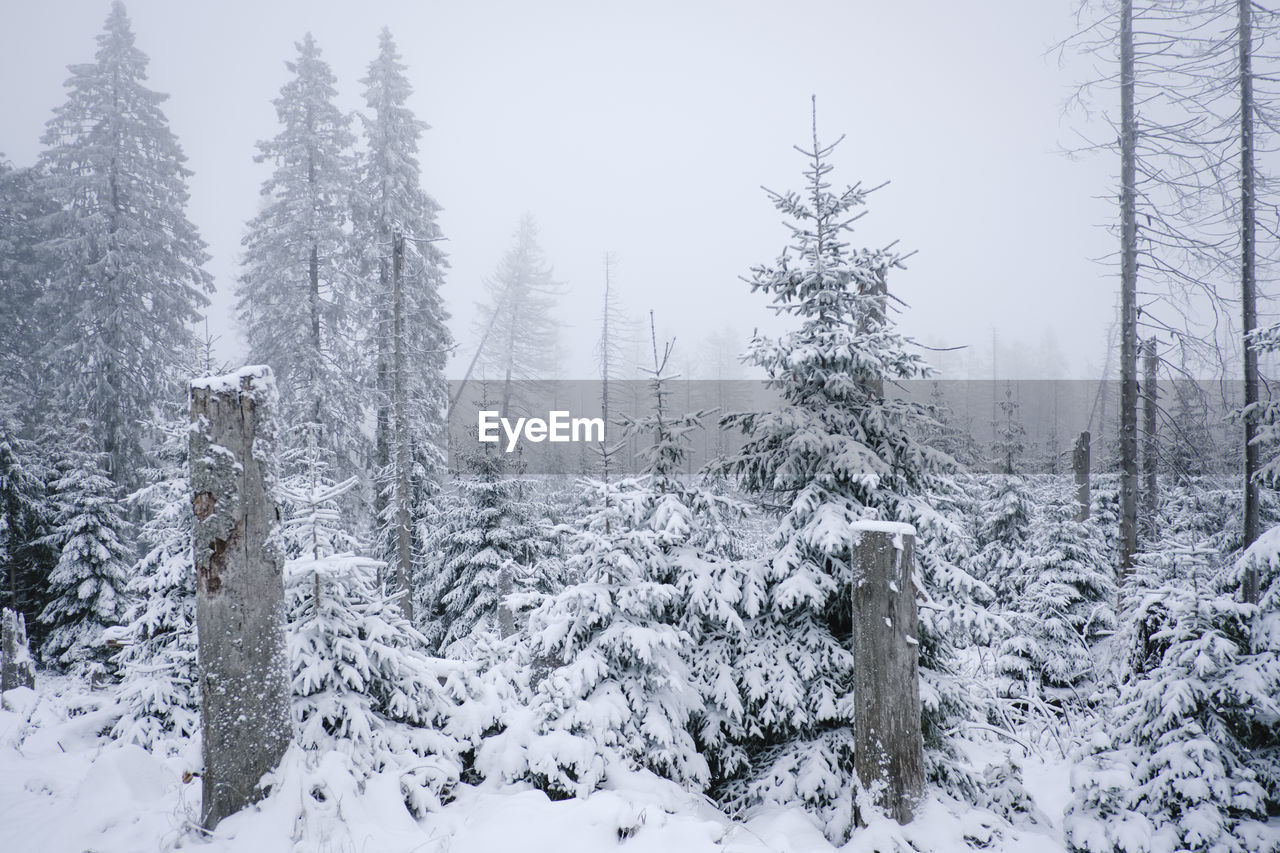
(1080, 467)
(17, 669)
(240, 604)
(888, 745)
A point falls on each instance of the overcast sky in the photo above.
(648, 129)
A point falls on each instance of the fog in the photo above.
(648, 130)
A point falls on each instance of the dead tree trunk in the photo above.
(888, 745)
(1080, 467)
(1128, 297)
(1150, 445)
(240, 604)
(1248, 290)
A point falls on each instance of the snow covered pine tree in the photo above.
(120, 302)
(834, 452)
(87, 587)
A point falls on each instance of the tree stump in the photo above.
(1080, 467)
(888, 744)
(17, 669)
(241, 609)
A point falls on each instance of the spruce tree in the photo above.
(1066, 607)
(26, 557)
(618, 687)
(87, 586)
(24, 318)
(159, 696)
(637, 655)
(1010, 435)
(363, 685)
(835, 450)
(1190, 760)
(1002, 538)
(491, 539)
(297, 301)
(405, 338)
(698, 529)
(124, 262)
(520, 338)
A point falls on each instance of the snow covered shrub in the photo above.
(490, 539)
(1104, 513)
(363, 684)
(1066, 607)
(636, 657)
(1190, 760)
(617, 685)
(1002, 535)
(159, 696)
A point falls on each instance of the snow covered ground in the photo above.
(66, 787)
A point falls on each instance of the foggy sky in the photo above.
(647, 129)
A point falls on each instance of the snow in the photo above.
(896, 529)
(66, 788)
(234, 381)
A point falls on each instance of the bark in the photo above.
(1080, 467)
(240, 604)
(400, 405)
(1249, 298)
(1128, 298)
(1150, 442)
(382, 429)
(888, 745)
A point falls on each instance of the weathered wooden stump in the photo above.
(1080, 467)
(888, 744)
(241, 610)
(17, 669)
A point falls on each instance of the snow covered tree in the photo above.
(1010, 435)
(835, 450)
(618, 687)
(1002, 538)
(408, 343)
(297, 301)
(698, 530)
(1104, 512)
(1191, 450)
(87, 586)
(1191, 762)
(159, 696)
(362, 684)
(489, 540)
(519, 337)
(124, 263)
(24, 319)
(1066, 607)
(635, 658)
(952, 434)
(26, 558)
